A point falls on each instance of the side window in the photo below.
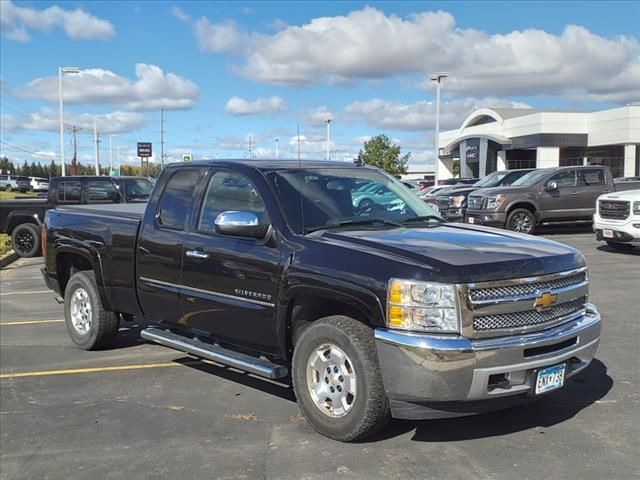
(565, 179)
(102, 191)
(177, 198)
(592, 176)
(69, 191)
(228, 191)
(3, 177)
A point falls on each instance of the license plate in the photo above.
(607, 233)
(550, 378)
(471, 220)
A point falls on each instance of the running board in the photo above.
(258, 366)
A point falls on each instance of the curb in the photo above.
(8, 258)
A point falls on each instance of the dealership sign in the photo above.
(144, 149)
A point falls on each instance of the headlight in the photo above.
(422, 306)
(493, 201)
(457, 201)
(636, 208)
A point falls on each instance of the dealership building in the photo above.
(493, 139)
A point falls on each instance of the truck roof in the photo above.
(272, 164)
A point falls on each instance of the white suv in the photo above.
(39, 184)
(617, 219)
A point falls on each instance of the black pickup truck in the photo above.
(371, 312)
(21, 218)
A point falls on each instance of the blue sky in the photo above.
(224, 71)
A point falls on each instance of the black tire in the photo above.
(620, 246)
(521, 220)
(104, 324)
(369, 411)
(25, 240)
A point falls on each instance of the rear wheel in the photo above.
(90, 326)
(25, 240)
(337, 380)
(521, 220)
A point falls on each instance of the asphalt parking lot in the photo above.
(140, 410)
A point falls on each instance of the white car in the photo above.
(39, 184)
(617, 219)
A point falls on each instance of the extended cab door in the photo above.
(159, 252)
(592, 182)
(230, 284)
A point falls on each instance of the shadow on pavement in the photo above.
(628, 250)
(564, 229)
(580, 392)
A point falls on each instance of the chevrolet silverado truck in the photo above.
(617, 219)
(545, 195)
(21, 218)
(452, 204)
(370, 312)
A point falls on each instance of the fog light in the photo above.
(636, 225)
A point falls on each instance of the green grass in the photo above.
(5, 243)
(10, 195)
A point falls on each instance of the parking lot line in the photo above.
(25, 292)
(29, 322)
(72, 371)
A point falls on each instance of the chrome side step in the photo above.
(257, 366)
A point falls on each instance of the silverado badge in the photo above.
(545, 301)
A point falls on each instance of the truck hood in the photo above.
(485, 192)
(628, 195)
(460, 253)
(459, 191)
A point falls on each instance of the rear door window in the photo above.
(565, 179)
(591, 177)
(70, 191)
(177, 198)
(102, 191)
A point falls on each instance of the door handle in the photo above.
(197, 254)
(575, 193)
(144, 250)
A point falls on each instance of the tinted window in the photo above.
(176, 199)
(3, 177)
(228, 191)
(69, 191)
(565, 179)
(102, 191)
(592, 176)
(137, 189)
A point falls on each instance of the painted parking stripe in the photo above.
(25, 292)
(29, 322)
(72, 371)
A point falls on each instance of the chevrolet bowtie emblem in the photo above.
(545, 301)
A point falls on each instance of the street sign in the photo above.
(186, 157)
(144, 149)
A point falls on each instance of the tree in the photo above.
(379, 152)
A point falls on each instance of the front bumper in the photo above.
(486, 217)
(452, 214)
(431, 376)
(624, 231)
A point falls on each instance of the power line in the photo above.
(22, 149)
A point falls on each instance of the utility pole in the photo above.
(328, 138)
(277, 140)
(96, 138)
(438, 77)
(250, 152)
(118, 155)
(161, 138)
(74, 161)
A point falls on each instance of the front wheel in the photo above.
(337, 379)
(25, 240)
(521, 220)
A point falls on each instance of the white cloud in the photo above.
(15, 22)
(153, 89)
(367, 43)
(47, 120)
(420, 115)
(180, 14)
(318, 116)
(240, 106)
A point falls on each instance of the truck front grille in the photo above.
(518, 290)
(614, 209)
(475, 202)
(442, 202)
(528, 318)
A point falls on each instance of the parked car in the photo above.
(430, 194)
(544, 195)
(17, 183)
(372, 194)
(21, 218)
(617, 219)
(39, 184)
(371, 313)
(627, 179)
(458, 181)
(452, 203)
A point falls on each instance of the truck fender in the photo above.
(520, 203)
(16, 218)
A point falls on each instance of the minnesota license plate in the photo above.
(607, 233)
(471, 220)
(550, 378)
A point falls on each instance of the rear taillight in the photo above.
(43, 239)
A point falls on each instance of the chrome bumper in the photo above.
(425, 368)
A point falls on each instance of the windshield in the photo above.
(492, 180)
(327, 197)
(137, 189)
(531, 178)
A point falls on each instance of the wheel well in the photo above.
(306, 309)
(19, 221)
(67, 264)
(526, 206)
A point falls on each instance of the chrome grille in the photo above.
(527, 318)
(614, 209)
(518, 290)
(475, 202)
(442, 202)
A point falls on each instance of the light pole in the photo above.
(328, 137)
(111, 135)
(61, 71)
(438, 77)
(277, 140)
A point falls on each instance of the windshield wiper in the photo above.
(346, 223)
(423, 219)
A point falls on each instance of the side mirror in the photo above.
(552, 185)
(240, 224)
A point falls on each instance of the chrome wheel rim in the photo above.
(24, 241)
(331, 380)
(80, 309)
(521, 222)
